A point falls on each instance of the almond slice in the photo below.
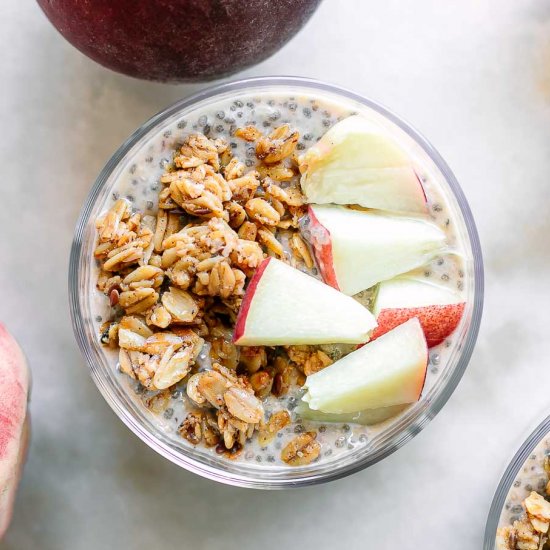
(160, 342)
(128, 339)
(136, 324)
(180, 304)
(244, 405)
(192, 389)
(174, 369)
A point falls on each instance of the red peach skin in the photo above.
(14, 422)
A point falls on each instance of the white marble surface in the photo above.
(474, 76)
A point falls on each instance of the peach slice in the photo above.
(357, 249)
(358, 162)
(283, 306)
(388, 371)
(438, 309)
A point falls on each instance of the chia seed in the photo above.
(168, 413)
(322, 429)
(298, 429)
(328, 452)
(220, 115)
(307, 112)
(219, 128)
(517, 509)
(182, 124)
(437, 207)
(150, 205)
(340, 442)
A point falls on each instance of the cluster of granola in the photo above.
(176, 281)
(530, 532)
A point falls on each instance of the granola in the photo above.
(175, 282)
(530, 532)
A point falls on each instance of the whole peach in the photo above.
(14, 422)
(178, 40)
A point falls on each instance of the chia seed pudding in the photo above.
(138, 181)
(518, 526)
(531, 477)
